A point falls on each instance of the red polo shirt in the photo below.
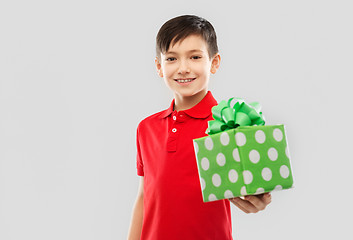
(173, 205)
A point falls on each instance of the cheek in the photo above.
(203, 71)
(204, 67)
(168, 70)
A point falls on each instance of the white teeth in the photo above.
(187, 80)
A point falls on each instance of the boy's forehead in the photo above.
(191, 43)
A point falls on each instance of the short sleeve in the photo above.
(139, 162)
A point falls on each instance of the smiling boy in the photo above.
(169, 203)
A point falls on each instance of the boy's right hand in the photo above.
(252, 203)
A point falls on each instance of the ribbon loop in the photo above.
(241, 114)
(228, 116)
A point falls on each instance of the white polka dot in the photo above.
(266, 174)
(260, 136)
(203, 184)
(233, 175)
(196, 147)
(278, 187)
(221, 159)
(272, 154)
(236, 155)
(243, 191)
(254, 156)
(228, 194)
(209, 143)
(284, 171)
(247, 175)
(216, 180)
(212, 197)
(277, 134)
(205, 164)
(224, 138)
(240, 138)
(287, 152)
(260, 191)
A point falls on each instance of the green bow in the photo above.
(242, 114)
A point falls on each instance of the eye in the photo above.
(196, 57)
(170, 59)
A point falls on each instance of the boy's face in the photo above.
(189, 61)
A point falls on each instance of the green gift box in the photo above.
(245, 160)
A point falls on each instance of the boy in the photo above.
(169, 204)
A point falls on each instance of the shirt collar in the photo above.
(200, 110)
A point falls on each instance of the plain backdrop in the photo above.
(76, 78)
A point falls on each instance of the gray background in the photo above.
(76, 77)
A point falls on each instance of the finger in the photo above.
(245, 204)
(266, 198)
(235, 202)
(257, 201)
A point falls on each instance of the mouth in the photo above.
(184, 80)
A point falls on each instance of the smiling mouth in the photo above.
(184, 80)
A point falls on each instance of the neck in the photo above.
(182, 103)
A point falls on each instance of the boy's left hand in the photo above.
(252, 203)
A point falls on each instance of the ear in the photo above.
(159, 67)
(216, 61)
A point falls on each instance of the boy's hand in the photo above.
(252, 203)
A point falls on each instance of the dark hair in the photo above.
(179, 28)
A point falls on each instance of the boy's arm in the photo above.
(137, 215)
(252, 203)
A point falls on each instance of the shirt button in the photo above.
(174, 117)
(174, 130)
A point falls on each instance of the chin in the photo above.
(188, 92)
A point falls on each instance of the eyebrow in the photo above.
(191, 51)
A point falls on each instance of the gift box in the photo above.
(241, 156)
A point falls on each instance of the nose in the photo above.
(183, 67)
